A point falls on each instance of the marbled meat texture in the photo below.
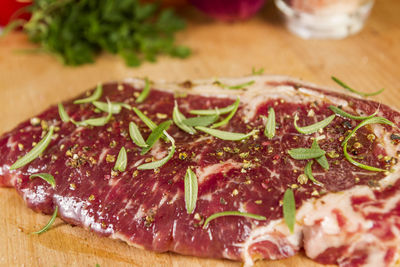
(352, 220)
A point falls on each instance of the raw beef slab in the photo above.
(353, 219)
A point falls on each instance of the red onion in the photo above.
(229, 10)
(9, 7)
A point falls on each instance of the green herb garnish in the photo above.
(216, 111)
(289, 209)
(314, 127)
(308, 172)
(48, 225)
(149, 123)
(77, 31)
(191, 189)
(155, 135)
(145, 92)
(45, 176)
(347, 115)
(115, 106)
(254, 71)
(235, 87)
(145, 119)
(135, 135)
(306, 153)
(229, 117)
(63, 114)
(233, 213)
(373, 120)
(101, 121)
(35, 152)
(361, 124)
(345, 86)
(358, 164)
(122, 160)
(201, 120)
(161, 162)
(226, 135)
(178, 118)
(95, 96)
(323, 161)
(270, 126)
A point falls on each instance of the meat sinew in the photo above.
(349, 215)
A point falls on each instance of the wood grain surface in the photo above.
(29, 83)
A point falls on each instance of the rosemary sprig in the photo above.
(345, 86)
(270, 126)
(46, 177)
(145, 92)
(122, 160)
(161, 162)
(35, 152)
(233, 213)
(289, 209)
(313, 127)
(48, 225)
(226, 135)
(191, 190)
(347, 115)
(95, 96)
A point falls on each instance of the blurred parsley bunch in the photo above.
(77, 30)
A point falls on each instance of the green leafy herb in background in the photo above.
(78, 30)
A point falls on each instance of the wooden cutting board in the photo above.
(29, 83)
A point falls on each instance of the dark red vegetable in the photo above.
(229, 10)
(8, 9)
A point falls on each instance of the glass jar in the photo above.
(324, 19)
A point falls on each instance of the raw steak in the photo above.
(352, 219)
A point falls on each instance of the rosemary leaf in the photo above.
(235, 87)
(178, 118)
(101, 121)
(289, 209)
(358, 164)
(115, 106)
(48, 225)
(323, 161)
(347, 115)
(145, 119)
(308, 172)
(306, 153)
(229, 117)
(149, 123)
(345, 86)
(155, 135)
(95, 96)
(161, 162)
(216, 111)
(122, 160)
(373, 120)
(63, 114)
(35, 152)
(145, 92)
(270, 126)
(314, 127)
(232, 213)
(135, 135)
(201, 120)
(254, 71)
(191, 190)
(45, 176)
(226, 135)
